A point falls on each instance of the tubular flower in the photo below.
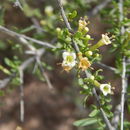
(69, 60)
(84, 63)
(106, 89)
(105, 40)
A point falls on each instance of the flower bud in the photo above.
(86, 29)
(58, 29)
(92, 77)
(88, 53)
(79, 55)
(49, 10)
(88, 36)
(82, 26)
(43, 22)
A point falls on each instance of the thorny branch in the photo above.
(21, 36)
(6, 81)
(37, 55)
(22, 67)
(18, 4)
(99, 7)
(21, 95)
(116, 118)
(108, 124)
(44, 74)
(123, 76)
(106, 67)
(37, 25)
(119, 112)
(123, 92)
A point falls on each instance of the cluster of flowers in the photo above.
(70, 59)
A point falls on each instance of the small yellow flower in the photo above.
(84, 63)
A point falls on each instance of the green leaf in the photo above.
(78, 35)
(79, 42)
(94, 113)
(126, 123)
(73, 14)
(9, 62)
(6, 71)
(86, 122)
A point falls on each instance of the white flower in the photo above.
(69, 60)
(106, 89)
(105, 39)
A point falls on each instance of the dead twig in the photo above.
(99, 7)
(21, 36)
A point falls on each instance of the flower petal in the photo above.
(74, 55)
(105, 88)
(65, 54)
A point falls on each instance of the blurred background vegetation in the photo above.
(47, 109)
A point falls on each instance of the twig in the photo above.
(45, 76)
(64, 16)
(38, 57)
(123, 92)
(14, 34)
(22, 67)
(5, 82)
(21, 95)
(116, 117)
(106, 66)
(99, 7)
(123, 76)
(37, 25)
(108, 124)
(17, 3)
